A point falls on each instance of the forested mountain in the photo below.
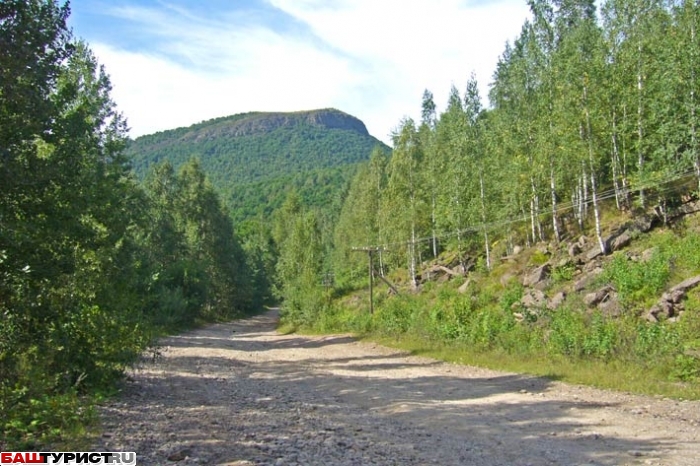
(254, 158)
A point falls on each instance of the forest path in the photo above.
(241, 394)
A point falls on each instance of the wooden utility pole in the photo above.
(370, 252)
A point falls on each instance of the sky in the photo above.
(174, 63)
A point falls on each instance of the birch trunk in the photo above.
(640, 124)
(693, 128)
(591, 162)
(616, 163)
(553, 190)
(483, 220)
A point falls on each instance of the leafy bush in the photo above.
(637, 282)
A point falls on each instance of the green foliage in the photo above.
(92, 267)
(254, 158)
(43, 419)
(685, 368)
(563, 273)
(637, 281)
(300, 264)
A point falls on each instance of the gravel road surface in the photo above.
(241, 394)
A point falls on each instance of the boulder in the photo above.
(686, 285)
(556, 301)
(574, 250)
(587, 279)
(534, 299)
(593, 253)
(538, 275)
(644, 223)
(591, 266)
(595, 298)
(621, 241)
(611, 306)
(463, 289)
(652, 314)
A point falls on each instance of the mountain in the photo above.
(255, 158)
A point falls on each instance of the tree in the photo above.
(406, 193)
(433, 159)
(360, 222)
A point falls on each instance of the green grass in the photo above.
(613, 375)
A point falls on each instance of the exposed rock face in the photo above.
(261, 122)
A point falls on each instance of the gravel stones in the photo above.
(239, 394)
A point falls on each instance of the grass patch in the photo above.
(612, 375)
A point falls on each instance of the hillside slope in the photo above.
(254, 158)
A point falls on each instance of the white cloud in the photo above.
(369, 58)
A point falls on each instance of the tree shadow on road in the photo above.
(225, 406)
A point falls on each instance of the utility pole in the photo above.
(370, 252)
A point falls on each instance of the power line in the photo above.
(652, 182)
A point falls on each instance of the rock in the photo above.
(666, 309)
(463, 289)
(556, 301)
(593, 299)
(459, 270)
(574, 250)
(643, 223)
(611, 306)
(538, 275)
(676, 296)
(591, 266)
(686, 285)
(593, 253)
(180, 455)
(582, 241)
(652, 313)
(670, 304)
(534, 299)
(587, 279)
(621, 241)
(517, 250)
(648, 254)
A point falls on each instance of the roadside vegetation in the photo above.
(581, 173)
(93, 266)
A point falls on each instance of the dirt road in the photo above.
(240, 394)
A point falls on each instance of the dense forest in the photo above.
(93, 265)
(584, 108)
(253, 159)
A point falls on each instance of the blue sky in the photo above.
(177, 62)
